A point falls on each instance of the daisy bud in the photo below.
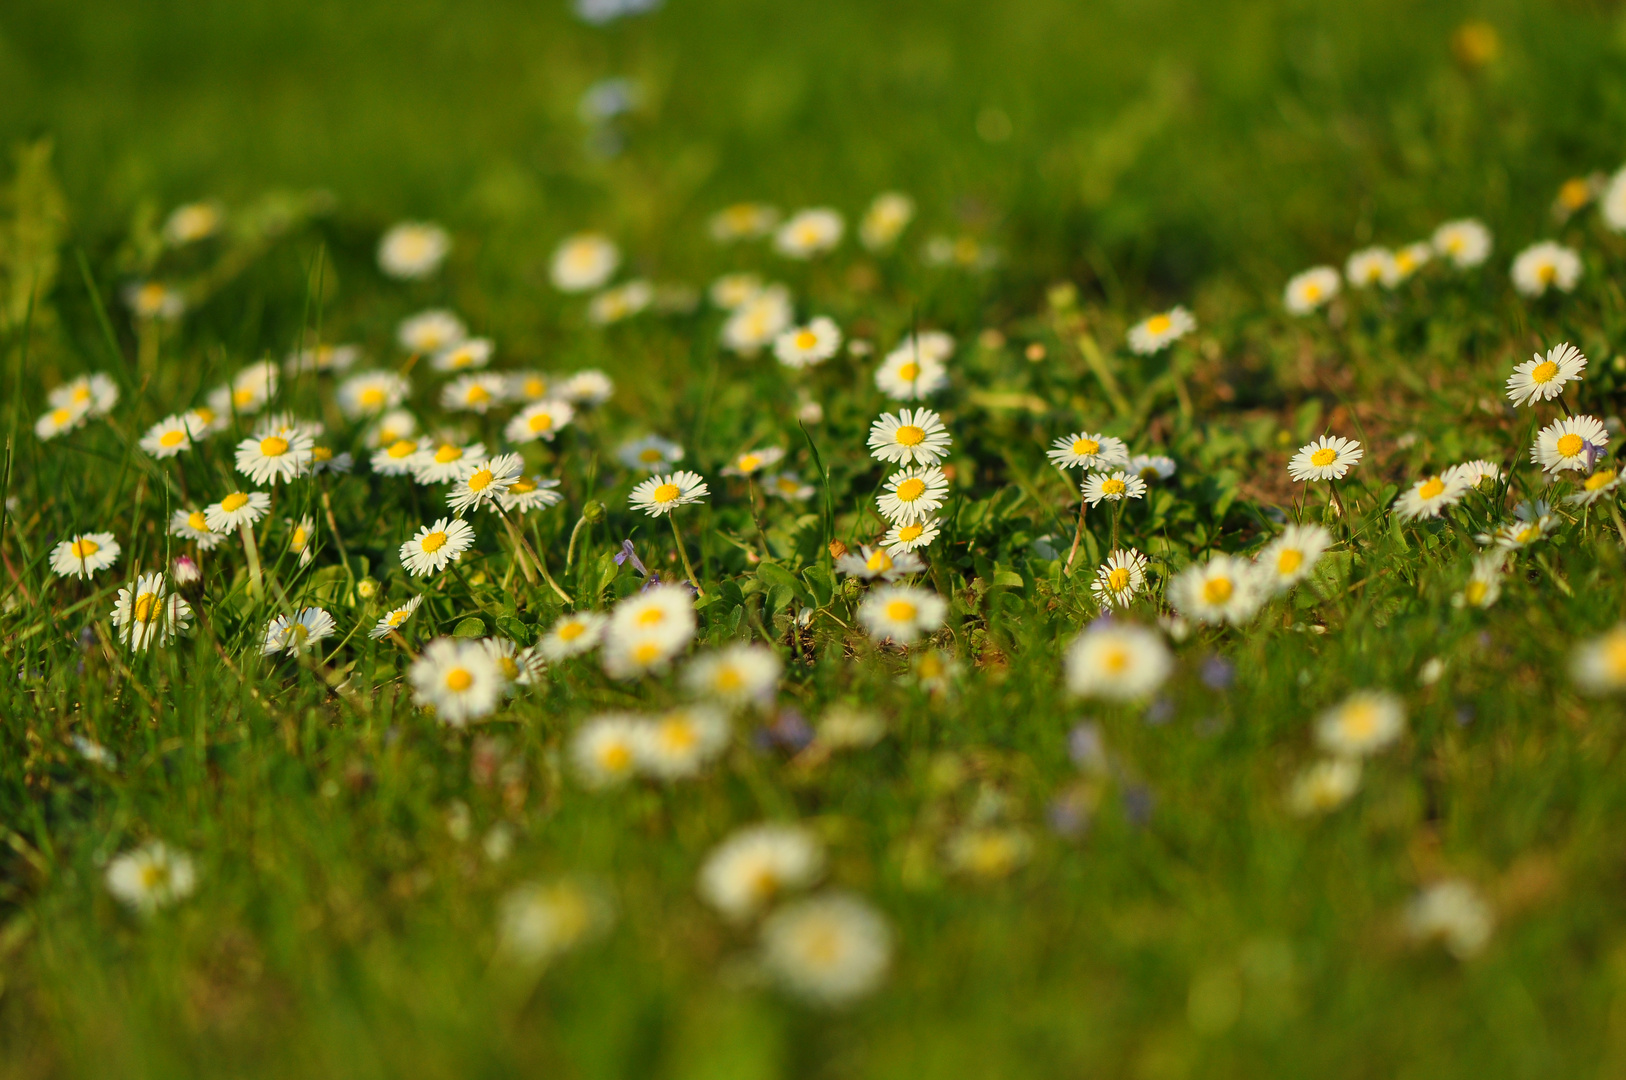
(186, 571)
(837, 549)
(367, 588)
(593, 512)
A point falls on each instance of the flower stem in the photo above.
(256, 586)
(570, 552)
(1078, 534)
(684, 552)
(537, 559)
(756, 516)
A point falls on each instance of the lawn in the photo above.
(932, 749)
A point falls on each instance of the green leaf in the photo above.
(1008, 579)
(510, 627)
(470, 627)
(776, 578)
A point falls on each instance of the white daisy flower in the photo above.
(680, 742)
(85, 554)
(810, 345)
(1600, 484)
(913, 493)
(94, 394)
(528, 493)
(447, 463)
(758, 321)
(583, 262)
(1120, 579)
(485, 483)
(249, 391)
(910, 535)
(324, 460)
(620, 302)
(169, 437)
(901, 613)
(647, 630)
(518, 667)
(1467, 243)
(1325, 786)
(1225, 589)
(573, 635)
(1474, 473)
(371, 392)
(731, 290)
(1406, 262)
(473, 393)
(299, 539)
(154, 300)
(877, 562)
(191, 222)
(829, 950)
(743, 221)
(587, 387)
(413, 250)
(751, 462)
(149, 614)
(1156, 333)
(1112, 487)
(1429, 497)
(662, 494)
(400, 457)
(1598, 665)
(299, 633)
(194, 525)
(885, 220)
(320, 358)
(541, 420)
(1310, 290)
(151, 877)
(467, 355)
(1484, 585)
(734, 676)
(539, 922)
(456, 677)
(1327, 458)
(1612, 204)
(1291, 557)
(909, 436)
(1117, 661)
(1362, 724)
(1367, 267)
(1152, 467)
(530, 386)
(1546, 265)
(1570, 443)
(436, 546)
(907, 374)
(1084, 450)
(758, 865)
(1454, 913)
(278, 456)
(394, 619)
(203, 422)
(392, 427)
(808, 233)
(604, 750)
(1543, 378)
(236, 510)
(788, 486)
(62, 418)
(650, 453)
(430, 331)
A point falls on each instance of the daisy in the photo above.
(281, 455)
(1154, 334)
(299, 540)
(324, 460)
(399, 457)
(1290, 558)
(1533, 523)
(751, 462)
(84, 555)
(1546, 264)
(587, 387)
(757, 865)
(413, 250)
(528, 493)
(372, 392)
(788, 486)
(621, 302)
(913, 493)
(908, 375)
(743, 221)
(1362, 724)
(1325, 786)
(151, 877)
(430, 331)
(885, 220)
(1367, 267)
(295, 635)
(1310, 290)
(149, 614)
(194, 525)
(877, 562)
(94, 394)
(1225, 589)
(191, 222)
(647, 630)
(604, 750)
(910, 535)
(573, 635)
(392, 427)
(1327, 458)
(530, 386)
(662, 494)
(154, 300)
(457, 679)
(909, 436)
(758, 321)
(808, 233)
(735, 676)
(447, 463)
(1120, 579)
(1113, 487)
(1117, 661)
(1453, 913)
(249, 391)
(436, 546)
(731, 290)
(901, 613)
(1598, 665)
(988, 852)
(239, 509)
(170, 436)
(1484, 582)
(539, 922)
(1474, 473)
(1151, 467)
(650, 453)
(1429, 497)
(394, 619)
(1569, 443)
(203, 421)
(1467, 243)
(1406, 262)
(680, 743)
(541, 420)
(844, 728)
(1083, 450)
(518, 667)
(485, 483)
(321, 358)
(808, 346)
(583, 262)
(1543, 378)
(1599, 485)
(466, 355)
(473, 393)
(829, 950)
(61, 419)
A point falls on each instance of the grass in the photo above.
(1190, 925)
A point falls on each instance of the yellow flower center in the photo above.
(1312, 292)
(806, 339)
(1159, 324)
(1600, 479)
(199, 521)
(1529, 534)
(402, 448)
(234, 502)
(1475, 592)
(274, 446)
(1118, 578)
(880, 562)
(243, 396)
(900, 611)
(748, 462)
(572, 631)
(1289, 561)
(651, 616)
(448, 453)
(1575, 193)
(647, 652)
(297, 542)
(911, 532)
(1361, 721)
(534, 387)
(372, 397)
(61, 416)
(1546, 272)
(146, 607)
(85, 547)
(480, 480)
(615, 757)
(1115, 660)
(151, 296)
(909, 372)
(433, 542)
(81, 394)
(1113, 486)
(321, 453)
(1544, 372)
(510, 669)
(459, 679)
(650, 456)
(152, 876)
(1217, 590)
(172, 438)
(728, 679)
(1432, 488)
(666, 493)
(478, 395)
(399, 616)
(522, 486)
(1086, 447)
(1614, 652)
(204, 416)
(1323, 457)
(1570, 445)
(911, 489)
(541, 422)
(910, 435)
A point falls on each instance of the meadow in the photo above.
(736, 540)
